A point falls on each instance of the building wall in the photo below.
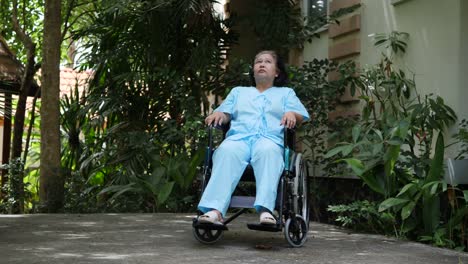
(463, 69)
(318, 48)
(434, 45)
(437, 50)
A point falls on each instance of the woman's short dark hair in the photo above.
(282, 78)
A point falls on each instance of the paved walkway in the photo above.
(167, 238)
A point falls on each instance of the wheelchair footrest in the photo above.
(198, 225)
(262, 227)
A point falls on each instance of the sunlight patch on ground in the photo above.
(109, 256)
(75, 236)
(67, 255)
(84, 224)
(45, 249)
(180, 221)
(190, 216)
(42, 233)
(362, 254)
(161, 236)
(13, 216)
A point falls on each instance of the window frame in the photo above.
(306, 10)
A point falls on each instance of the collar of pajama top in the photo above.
(259, 114)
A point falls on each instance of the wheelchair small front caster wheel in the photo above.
(207, 236)
(295, 231)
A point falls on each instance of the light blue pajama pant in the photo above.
(229, 163)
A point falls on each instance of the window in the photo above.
(317, 8)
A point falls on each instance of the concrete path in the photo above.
(167, 238)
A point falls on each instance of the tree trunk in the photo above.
(17, 183)
(6, 142)
(51, 187)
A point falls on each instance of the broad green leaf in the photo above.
(407, 209)
(356, 132)
(403, 128)
(458, 218)
(164, 192)
(347, 150)
(408, 225)
(371, 180)
(434, 187)
(377, 148)
(437, 164)
(408, 187)
(343, 149)
(391, 156)
(115, 188)
(378, 133)
(391, 202)
(395, 142)
(465, 196)
(356, 165)
(431, 212)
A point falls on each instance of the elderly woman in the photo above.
(258, 116)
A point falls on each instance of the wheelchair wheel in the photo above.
(207, 236)
(301, 189)
(295, 231)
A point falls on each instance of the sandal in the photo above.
(211, 217)
(267, 218)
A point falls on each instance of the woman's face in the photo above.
(265, 68)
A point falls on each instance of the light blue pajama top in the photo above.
(259, 114)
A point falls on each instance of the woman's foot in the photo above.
(266, 218)
(211, 217)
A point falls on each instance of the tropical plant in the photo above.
(320, 97)
(10, 202)
(363, 216)
(141, 119)
(392, 147)
(461, 137)
(23, 32)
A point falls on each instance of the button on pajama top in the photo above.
(255, 137)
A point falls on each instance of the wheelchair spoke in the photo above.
(296, 231)
(207, 236)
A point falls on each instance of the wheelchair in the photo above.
(292, 203)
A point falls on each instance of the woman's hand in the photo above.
(217, 118)
(290, 119)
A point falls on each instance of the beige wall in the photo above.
(318, 48)
(437, 48)
(463, 69)
(434, 47)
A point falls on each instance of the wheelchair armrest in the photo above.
(211, 128)
(290, 138)
(223, 127)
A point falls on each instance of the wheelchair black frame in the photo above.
(289, 144)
